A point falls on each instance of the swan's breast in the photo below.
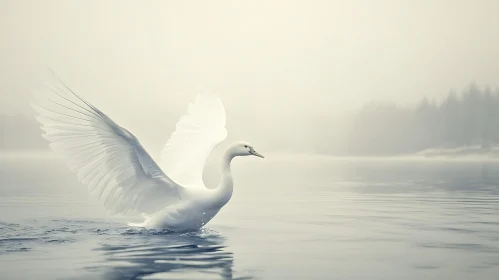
(181, 217)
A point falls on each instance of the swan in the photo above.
(111, 162)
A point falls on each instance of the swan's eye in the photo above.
(246, 146)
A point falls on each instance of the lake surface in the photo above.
(289, 218)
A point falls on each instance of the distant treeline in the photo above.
(461, 123)
(461, 120)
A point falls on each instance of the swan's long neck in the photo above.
(226, 185)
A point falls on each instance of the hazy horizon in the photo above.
(279, 67)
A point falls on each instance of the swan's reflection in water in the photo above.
(199, 255)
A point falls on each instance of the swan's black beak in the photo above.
(255, 153)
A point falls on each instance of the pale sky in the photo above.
(139, 60)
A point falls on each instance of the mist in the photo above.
(293, 75)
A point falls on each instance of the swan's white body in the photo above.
(198, 207)
(112, 163)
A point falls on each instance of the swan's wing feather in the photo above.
(107, 158)
(197, 134)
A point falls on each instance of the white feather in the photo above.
(197, 134)
(106, 157)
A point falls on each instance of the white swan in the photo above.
(112, 163)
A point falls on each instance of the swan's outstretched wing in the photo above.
(197, 134)
(107, 158)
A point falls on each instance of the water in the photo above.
(294, 218)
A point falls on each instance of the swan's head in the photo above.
(244, 149)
